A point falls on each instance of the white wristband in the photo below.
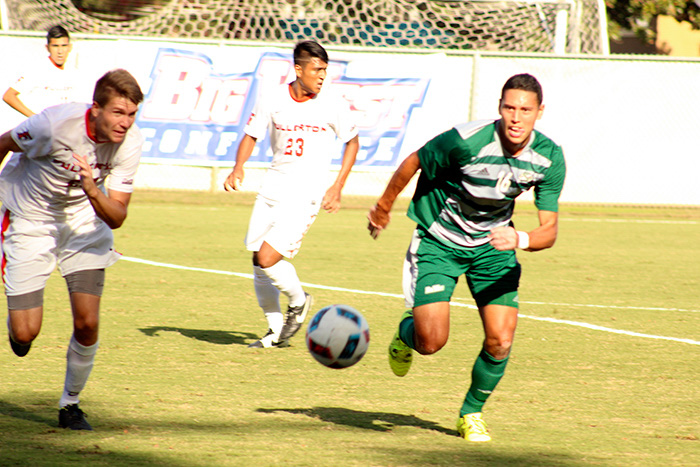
(523, 240)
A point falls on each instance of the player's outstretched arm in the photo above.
(111, 208)
(11, 97)
(380, 214)
(235, 178)
(331, 200)
(544, 236)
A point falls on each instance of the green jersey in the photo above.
(468, 182)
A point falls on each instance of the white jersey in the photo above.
(42, 182)
(302, 138)
(46, 85)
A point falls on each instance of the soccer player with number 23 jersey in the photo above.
(303, 125)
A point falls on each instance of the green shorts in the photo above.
(431, 271)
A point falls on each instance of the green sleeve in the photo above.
(548, 190)
(438, 153)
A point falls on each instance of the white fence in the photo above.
(626, 123)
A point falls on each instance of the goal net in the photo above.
(545, 26)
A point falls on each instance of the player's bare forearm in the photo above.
(379, 215)
(331, 200)
(7, 145)
(349, 157)
(11, 97)
(111, 209)
(545, 235)
(398, 181)
(235, 178)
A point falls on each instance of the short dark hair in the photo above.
(305, 50)
(57, 32)
(524, 82)
(117, 82)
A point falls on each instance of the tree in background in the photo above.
(640, 15)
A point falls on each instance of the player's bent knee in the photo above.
(428, 349)
(498, 348)
(90, 282)
(86, 325)
(24, 333)
(25, 326)
(430, 346)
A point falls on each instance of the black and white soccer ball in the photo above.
(338, 336)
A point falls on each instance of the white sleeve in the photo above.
(23, 83)
(345, 125)
(259, 120)
(121, 177)
(31, 77)
(33, 135)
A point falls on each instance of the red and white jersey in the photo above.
(42, 182)
(302, 138)
(45, 85)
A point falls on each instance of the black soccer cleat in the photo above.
(19, 349)
(268, 340)
(295, 318)
(72, 417)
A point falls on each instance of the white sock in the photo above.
(80, 360)
(268, 299)
(284, 277)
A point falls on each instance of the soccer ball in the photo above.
(338, 336)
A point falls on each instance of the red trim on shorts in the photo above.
(3, 229)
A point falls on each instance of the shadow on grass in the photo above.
(472, 454)
(213, 337)
(15, 411)
(377, 421)
(55, 446)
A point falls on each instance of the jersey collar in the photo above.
(55, 64)
(92, 137)
(305, 99)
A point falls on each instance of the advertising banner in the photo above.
(193, 112)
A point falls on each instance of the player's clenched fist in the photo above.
(233, 181)
(378, 220)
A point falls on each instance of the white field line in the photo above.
(631, 221)
(561, 218)
(384, 294)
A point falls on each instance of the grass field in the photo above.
(604, 369)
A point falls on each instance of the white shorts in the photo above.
(32, 249)
(282, 224)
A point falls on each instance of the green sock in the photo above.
(486, 374)
(407, 330)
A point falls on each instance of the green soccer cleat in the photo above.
(472, 428)
(400, 356)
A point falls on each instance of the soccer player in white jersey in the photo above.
(463, 204)
(303, 124)
(56, 212)
(52, 83)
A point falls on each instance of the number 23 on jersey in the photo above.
(294, 147)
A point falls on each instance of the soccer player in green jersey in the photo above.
(463, 204)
